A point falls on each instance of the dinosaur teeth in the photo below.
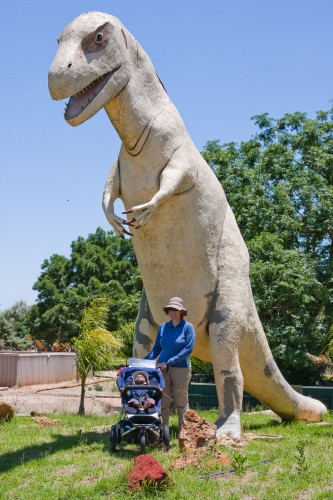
(79, 101)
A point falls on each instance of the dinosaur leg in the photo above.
(226, 329)
(145, 329)
(227, 326)
(229, 382)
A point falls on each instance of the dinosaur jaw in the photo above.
(79, 102)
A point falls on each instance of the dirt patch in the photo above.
(67, 470)
(102, 397)
(197, 457)
(47, 421)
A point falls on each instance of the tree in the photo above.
(13, 330)
(96, 348)
(6, 332)
(101, 265)
(280, 187)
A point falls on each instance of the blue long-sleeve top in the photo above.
(174, 344)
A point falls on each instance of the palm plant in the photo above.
(96, 348)
(126, 336)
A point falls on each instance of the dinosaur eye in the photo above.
(99, 37)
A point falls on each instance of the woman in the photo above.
(173, 346)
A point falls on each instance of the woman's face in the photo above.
(175, 314)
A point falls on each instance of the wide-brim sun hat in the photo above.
(175, 303)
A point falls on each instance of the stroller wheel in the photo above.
(166, 438)
(113, 438)
(142, 442)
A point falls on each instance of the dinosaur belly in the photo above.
(177, 253)
(177, 250)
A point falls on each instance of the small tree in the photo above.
(96, 347)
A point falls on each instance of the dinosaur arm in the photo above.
(111, 193)
(173, 178)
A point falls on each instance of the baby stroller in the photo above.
(139, 425)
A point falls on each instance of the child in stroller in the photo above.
(140, 399)
(141, 393)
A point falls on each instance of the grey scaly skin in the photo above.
(185, 236)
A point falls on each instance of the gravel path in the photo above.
(102, 397)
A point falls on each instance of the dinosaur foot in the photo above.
(310, 410)
(229, 426)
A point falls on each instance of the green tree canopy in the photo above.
(280, 187)
(13, 330)
(101, 265)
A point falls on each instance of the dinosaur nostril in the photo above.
(70, 64)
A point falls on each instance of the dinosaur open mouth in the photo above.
(78, 102)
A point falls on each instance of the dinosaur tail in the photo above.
(264, 381)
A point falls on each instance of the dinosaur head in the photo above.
(90, 67)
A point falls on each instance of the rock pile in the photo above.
(196, 433)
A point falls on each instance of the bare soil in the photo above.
(101, 397)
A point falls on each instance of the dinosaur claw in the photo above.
(127, 232)
(128, 211)
(129, 222)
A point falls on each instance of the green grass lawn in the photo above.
(72, 461)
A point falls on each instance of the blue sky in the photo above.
(221, 62)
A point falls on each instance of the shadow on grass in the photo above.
(60, 443)
(248, 426)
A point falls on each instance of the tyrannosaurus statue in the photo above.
(186, 238)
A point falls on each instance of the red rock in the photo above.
(146, 470)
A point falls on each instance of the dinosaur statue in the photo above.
(185, 236)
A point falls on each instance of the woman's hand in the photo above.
(162, 366)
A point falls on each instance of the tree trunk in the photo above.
(83, 391)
